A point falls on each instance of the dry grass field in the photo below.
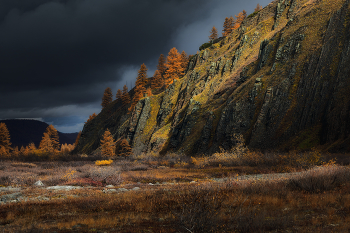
(176, 193)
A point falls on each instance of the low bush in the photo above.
(204, 46)
(103, 162)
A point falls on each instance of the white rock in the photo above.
(122, 190)
(39, 183)
(136, 188)
(59, 187)
(110, 186)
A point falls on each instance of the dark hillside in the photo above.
(23, 132)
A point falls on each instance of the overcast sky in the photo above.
(58, 56)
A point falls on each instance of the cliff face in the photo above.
(281, 80)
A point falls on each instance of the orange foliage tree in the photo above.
(5, 144)
(148, 92)
(157, 80)
(213, 33)
(228, 26)
(140, 89)
(175, 67)
(46, 144)
(161, 65)
(107, 97)
(184, 61)
(257, 8)
(123, 149)
(53, 134)
(119, 94)
(239, 19)
(77, 139)
(91, 117)
(107, 144)
(125, 96)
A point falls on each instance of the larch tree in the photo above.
(148, 92)
(107, 144)
(124, 148)
(157, 80)
(137, 96)
(213, 34)
(257, 8)
(107, 97)
(125, 96)
(119, 94)
(174, 67)
(53, 134)
(46, 144)
(161, 65)
(77, 139)
(239, 19)
(91, 117)
(184, 62)
(228, 26)
(141, 80)
(5, 140)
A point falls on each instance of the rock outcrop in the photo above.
(281, 80)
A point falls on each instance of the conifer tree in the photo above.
(174, 67)
(46, 144)
(157, 80)
(257, 8)
(15, 152)
(107, 97)
(53, 134)
(213, 34)
(5, 144)
(22, 151)
(124, 149)
(184, 62)
(107, 144)
(125, 97)
(137, 96)
(161, 65)
(119, 94)
(141, 80)
(228, 26)
(31, 148)
(148, 92)
(77, 139)
(91, 117)
(239, 19)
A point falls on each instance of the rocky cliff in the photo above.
(282, 80)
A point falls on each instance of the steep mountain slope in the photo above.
(23, 132)
(281, 80)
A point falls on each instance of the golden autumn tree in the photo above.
(257, 8)
(213, 33)
(141, 80)
(148, 92)
(46, 144)
(91, 117)
(5, 143)
(107, 97)
(228, 26)
(107, 144)
(239, 19)
(157, 80)
(161, 65)
(184, 62)
(124, 148)
(174, 67)
(53, 134)
(15, 152)
(125, 96)
(140, 90)
(119, 94)
(77, 139)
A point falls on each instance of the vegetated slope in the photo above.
(23, 132)
(281, 80)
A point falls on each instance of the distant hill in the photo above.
(23, 132)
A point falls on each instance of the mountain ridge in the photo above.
(25, 131)
(280, 80)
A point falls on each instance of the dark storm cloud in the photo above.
(56, 53)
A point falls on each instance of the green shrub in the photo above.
(204, 46)
(253, 14)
